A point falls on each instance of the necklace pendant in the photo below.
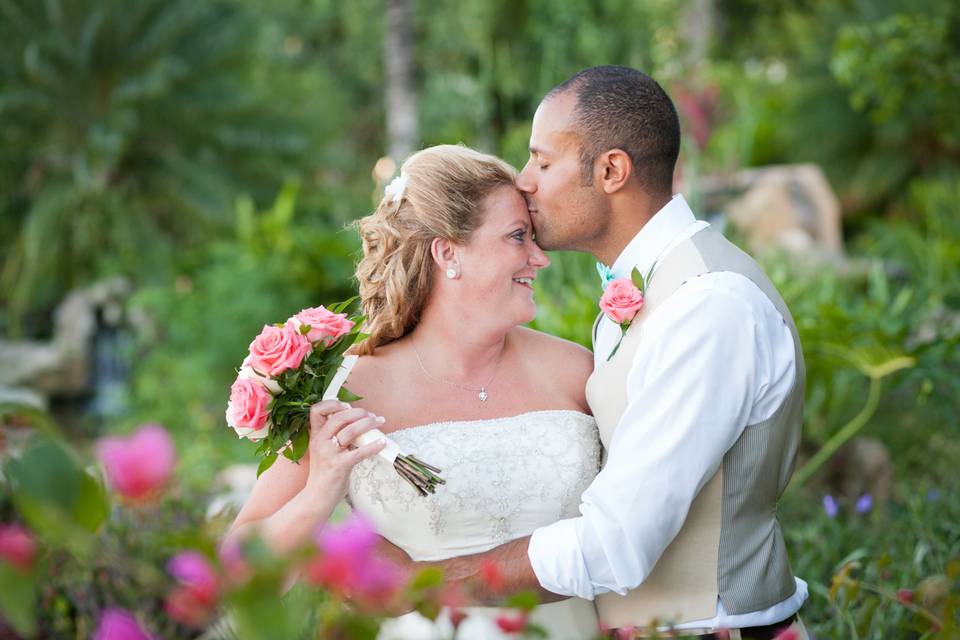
(483, 395)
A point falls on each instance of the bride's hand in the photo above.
(334, 427)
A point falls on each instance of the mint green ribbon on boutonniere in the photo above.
(622, 300)
(605, 273)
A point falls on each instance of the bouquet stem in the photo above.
(422, 476)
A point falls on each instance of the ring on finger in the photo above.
(336, 441)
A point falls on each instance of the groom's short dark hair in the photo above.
(622, 108)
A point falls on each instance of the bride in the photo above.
(449, 373)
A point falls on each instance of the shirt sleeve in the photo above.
(705, 359)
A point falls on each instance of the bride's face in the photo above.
(499, 264)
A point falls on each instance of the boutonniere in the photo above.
(622, 300)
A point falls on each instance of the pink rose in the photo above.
(277, 349)
(138, 465)
(17, 546)
(249, 408)
(118, 624)
(324, 325)
(621, 301)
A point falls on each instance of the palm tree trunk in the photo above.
(401, 94)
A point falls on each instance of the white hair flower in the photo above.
(397, 186)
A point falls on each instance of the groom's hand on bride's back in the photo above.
(392, 553)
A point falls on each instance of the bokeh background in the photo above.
(174, 174)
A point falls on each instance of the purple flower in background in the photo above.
(118, 624)
(830, 506)
(864, 503)
(933, 495)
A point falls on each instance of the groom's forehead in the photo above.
(553, 128)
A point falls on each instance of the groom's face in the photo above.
(566, 212)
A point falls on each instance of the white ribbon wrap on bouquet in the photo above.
(390, 452)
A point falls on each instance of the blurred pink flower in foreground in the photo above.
(195, 599)
(346, 563)
(138, 465)
(512, 623)
(17, 546)
(236, 569)
(629, 633)
(117, 624)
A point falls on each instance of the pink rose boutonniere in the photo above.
(622, 300)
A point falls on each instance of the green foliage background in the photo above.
(215, 152)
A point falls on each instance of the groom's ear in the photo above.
(614, 168)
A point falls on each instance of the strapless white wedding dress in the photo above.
(505, 477)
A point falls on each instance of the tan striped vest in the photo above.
(730, 545)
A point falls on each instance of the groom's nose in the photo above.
(525, 180)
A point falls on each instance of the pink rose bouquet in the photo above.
(290, 367)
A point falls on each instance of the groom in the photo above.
(699, 408)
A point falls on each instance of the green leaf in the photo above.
(266, 463)
(427, 579)
(638, 280)
(18, 598)
(92, 506)
(524, 600)
(300, 441)
(345, 395)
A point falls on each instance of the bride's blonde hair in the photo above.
(445, 187)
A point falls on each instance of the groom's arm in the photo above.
(514, 574)
(510, 561)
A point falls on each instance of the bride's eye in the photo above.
(518, 235)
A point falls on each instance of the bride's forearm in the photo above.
(292, 524)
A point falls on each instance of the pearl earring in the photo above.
(451, 273)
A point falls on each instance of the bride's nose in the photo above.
(538, 259)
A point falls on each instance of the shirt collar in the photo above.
(654, 238)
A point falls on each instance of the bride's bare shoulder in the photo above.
(555, 354)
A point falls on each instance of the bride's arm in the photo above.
(290, 499)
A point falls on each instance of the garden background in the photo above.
(192, 169)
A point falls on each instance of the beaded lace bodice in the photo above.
(505, 477)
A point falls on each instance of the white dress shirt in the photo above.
(715, 357)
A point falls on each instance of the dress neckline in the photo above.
(344, 373)
(497, 420)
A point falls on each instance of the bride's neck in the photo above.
(455, 348)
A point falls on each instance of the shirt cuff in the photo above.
(554, 553)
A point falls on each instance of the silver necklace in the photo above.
(483, 395)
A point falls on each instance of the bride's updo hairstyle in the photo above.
(439, 194)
